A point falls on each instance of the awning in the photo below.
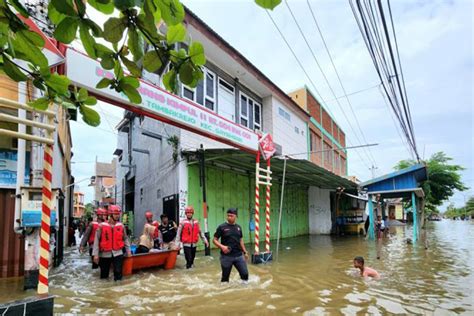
(298, 171)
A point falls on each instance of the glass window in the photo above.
(243, 122)
(257, 114)
(209, 84)
(210, 105)
(243, 106)
(200, 93)
(188, 94)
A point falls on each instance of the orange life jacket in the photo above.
(156, 232)
(95, 225)
(111, 238)
(190, 231)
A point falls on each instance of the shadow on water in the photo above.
(313, 275)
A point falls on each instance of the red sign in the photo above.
(267, 147)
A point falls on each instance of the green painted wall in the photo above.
(227, 189)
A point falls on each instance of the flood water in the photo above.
(313, 276)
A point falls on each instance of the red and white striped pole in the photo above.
(46, 215)
(267, 211)
(257, 205)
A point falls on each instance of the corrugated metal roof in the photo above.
(298, 171)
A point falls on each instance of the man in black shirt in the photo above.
(232, 247)
(167, 233)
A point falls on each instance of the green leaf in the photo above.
(131, 66)
(90, 100)
(20, 8)
(12, 70)
(103, 50)
(132, 81)
(87, 40)
(81, 7)
(103, 83)
(124, 4)
(106, 7)
(107, 62)
(59, 83)
(118, 71)
(152, 11)
(176, 33)
(268, 4)
(196, 52)
(131, 93)
(68, 105)
(90, 116)
(186, 73)
(169, 80)
(40, 103)
(96, 30)
(113, 29)
(152, 61)
(33, 37)
(135, 43)
(29, 52)
(66, 30)
(54, 15)
(64, 6)
(172, 11)
(82, 95)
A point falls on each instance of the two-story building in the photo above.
(163, 168)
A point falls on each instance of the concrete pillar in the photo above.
(415, 220)
(371, 232)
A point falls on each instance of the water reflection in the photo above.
(313, 276)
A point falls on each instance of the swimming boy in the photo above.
(365, 271)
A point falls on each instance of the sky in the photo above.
(435, 40)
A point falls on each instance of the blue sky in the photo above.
(435, 40)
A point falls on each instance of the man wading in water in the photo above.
(365, 271)
(232, 247)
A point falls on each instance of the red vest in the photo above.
(156, 232)
(111, 238)
(95, 225)
(190, 232)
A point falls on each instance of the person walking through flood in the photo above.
(189, 233)
(109, 244)
(365, 271)
(233, 252)
(167, 233)
(89, 234)
(147, 238)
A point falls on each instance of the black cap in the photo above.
(163, 215)
(232, 211)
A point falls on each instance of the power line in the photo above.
(356, 92)
(307, 76)
(337, 75)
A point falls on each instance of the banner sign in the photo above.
(159, 104)
(8, 166)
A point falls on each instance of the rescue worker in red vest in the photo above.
(189, 233)
(89, 234)
(147, 237)
(156, 235)
(110, 241)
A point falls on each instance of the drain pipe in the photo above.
(21, 157)
(281, 206)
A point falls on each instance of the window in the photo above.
(284, 114)
(311, 140)
(205, 92)
(327, 154)
(250, 112)
(225, 85)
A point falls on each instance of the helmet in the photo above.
(189, 209)
(101, 211)
(114, 210)
(149, 214)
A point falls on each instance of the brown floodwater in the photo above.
(313, 276)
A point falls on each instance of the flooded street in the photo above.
(313, 275)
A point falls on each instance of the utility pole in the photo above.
(372, 169)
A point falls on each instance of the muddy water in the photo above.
(312, 276)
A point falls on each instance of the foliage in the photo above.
(89, 210)
(173, 141)
(443, 179)
(134, 43)
(467, 209)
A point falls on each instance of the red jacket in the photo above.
(95, 225)
(190, 231)
(111, 238)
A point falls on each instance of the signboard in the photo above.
(267, 147)
(161, 105)
(8, 166)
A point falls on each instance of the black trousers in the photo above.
(104, 264)
(94, 265)
(189, 255)
(227, 262)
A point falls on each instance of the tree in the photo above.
(89, 210)
(443, 179)
(134, 44)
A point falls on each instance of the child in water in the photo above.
(365, 271)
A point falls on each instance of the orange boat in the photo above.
(165, 258)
